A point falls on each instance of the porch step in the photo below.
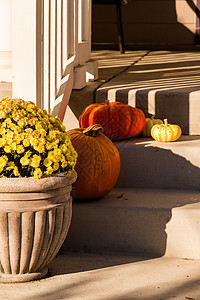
(146, 163)
(94, 276)
(144, 222)
(163, 83)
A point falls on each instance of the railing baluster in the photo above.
(46, 78)
(49, 40)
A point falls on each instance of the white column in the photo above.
(24, 49)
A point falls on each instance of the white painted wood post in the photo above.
(51, 43)
(24, 49)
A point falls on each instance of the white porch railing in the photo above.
(51, 46)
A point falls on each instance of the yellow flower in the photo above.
(32, 122)
(16, 171)
(37, 173)
(35, 161)
(29, 130)
(49, 171)
(30, 107)
(26, 142)
(10, 165)
(2, 142)
(64, 148)
(49, 146)
(22, 122)
(25, 160)
(47, 162)
(38, 126)
(9, 141)
(20, 149)
(12, 126)
(8, 121)
(40, 148)
(52, 156)
(46, 135)
(7, 149)
(55, 166)
(57, 153)
(13, 146)
(2, 131)
(34, 142)
(3, 161)
(64, 163)
(2, 114)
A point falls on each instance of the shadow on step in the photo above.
(149, 164)
(68, 262)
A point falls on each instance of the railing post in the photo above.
(51, 51)
(24, 49)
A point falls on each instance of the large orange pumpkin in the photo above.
(119, 121)
(98, 163)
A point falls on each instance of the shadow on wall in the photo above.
(147, 24)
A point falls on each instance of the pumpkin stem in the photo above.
(152, 117)
(107, 102)
(165, 122)
(93, 130)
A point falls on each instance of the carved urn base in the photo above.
(35, 216)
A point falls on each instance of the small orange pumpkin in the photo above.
(98, 163)
(119, 121)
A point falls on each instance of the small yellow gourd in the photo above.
(150, 122)
(165, 132)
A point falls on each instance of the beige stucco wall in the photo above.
(147, 23)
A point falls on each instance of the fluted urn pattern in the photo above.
(35, 216)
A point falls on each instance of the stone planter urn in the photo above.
(35, 216)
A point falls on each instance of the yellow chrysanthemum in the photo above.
(52, 156)
(2, 131)
(34, 142)
(49, 146)
(2, 114)
(32, 122)
(40, 148)
(10, 166)
(55, 166)
(26, 142)
(16, 171)
(35, 161)
(20, 149)
(24, 161)
(64, 148)
(25, 129)
(3, 161)
(47, 162)
(49, 171)
(37, 173)
(7, 149)
(13, 146)
(2, 142)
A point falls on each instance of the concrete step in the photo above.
(146, 163)
(93, 276)
(142, 221)
(163, 83)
